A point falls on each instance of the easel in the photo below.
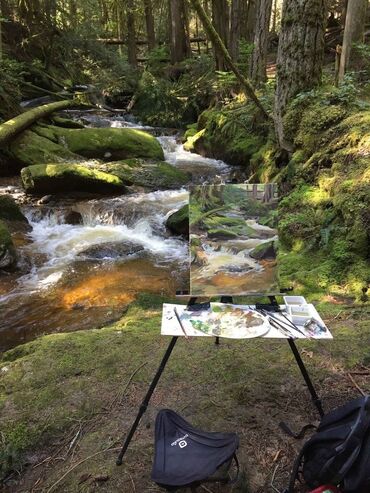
(144, 405)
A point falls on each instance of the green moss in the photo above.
(66, 122)
(8, 256)
(30, 148)
(228, 225)
(191, 130)
(178, 222)
(59, 178)
(154, 175)
(112, 143)
(9, 210)
(233, 134)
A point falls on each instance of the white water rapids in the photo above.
(61, 278)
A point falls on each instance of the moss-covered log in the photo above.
(11, 128)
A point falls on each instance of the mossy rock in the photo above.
(265, 251)
(218, 233)
(66, 122)
(178, 222)
(8, 255)
(65, 178)
(153, 175)
(30, 148)
(106, 143)
(9, 209)
(233, 225)
(234, 134)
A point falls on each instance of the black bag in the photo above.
(185, 455)
(339, 453)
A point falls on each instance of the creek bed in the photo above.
(75, 277)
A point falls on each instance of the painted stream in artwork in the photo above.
(74, 275)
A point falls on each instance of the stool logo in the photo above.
(181, 442)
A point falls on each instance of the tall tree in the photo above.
(353, 31)
(259, 56)
(149, 22)
(220, 47)
(180, 45)
(250, 20)
(300, 55)
(131, 35)
(220, 19)
(235, 24)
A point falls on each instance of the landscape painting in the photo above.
(233, 239)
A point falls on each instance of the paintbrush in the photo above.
(180, 323)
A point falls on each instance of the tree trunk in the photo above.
(257, 69)
(221, 48)
(235, 29)
(131, 39)
(220, 20)
(149, 22)
(250, 21)
(353, 32)
(300, 55)
(11, 128)
(179, 44)
(274, 17)
(1, 33)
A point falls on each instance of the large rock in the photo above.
(104, 143)
(12, 216)
(9, 209)
(154, 175)
(265, 251)
(178, 222)
(64, 178)
(8, 255)
(112, 249)
(30, 148)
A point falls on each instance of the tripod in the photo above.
(144, 405)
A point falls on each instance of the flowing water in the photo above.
(79, 276)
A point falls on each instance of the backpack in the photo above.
(339, 452)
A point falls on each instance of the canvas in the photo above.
(233, 239)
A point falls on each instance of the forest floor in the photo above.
(79, 393)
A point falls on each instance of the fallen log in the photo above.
(11, 128)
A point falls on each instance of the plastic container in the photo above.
(299, 314)
(294, 300)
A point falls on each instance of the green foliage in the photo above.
(12, 73)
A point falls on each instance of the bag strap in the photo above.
(296, 465)
(233, 481)
(350, 449)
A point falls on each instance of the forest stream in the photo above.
(76, 276)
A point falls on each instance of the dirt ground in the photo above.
(247, 387)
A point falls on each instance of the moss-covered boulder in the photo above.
(105, 143)
(9, 209)
(30, 148)
(64, 178)
(234, 134)
(153, 175)
(178, 222)
(12, 216)
(265, 251)
(8, 255)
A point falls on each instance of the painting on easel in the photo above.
(233, 239)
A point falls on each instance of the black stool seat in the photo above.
(185, 456)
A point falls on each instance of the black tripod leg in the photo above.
(144, 404)
(315, 398)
